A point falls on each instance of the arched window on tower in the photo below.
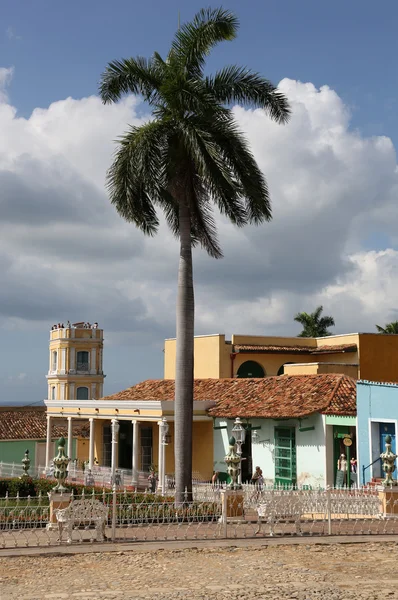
(82, 393)
(53, 390)
(82, 361)
(282, 368)
(54, 360)
(250, 368)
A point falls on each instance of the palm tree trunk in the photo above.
(184, 361)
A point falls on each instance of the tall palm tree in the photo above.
(313, 324)
(391, 328)
(188, 156)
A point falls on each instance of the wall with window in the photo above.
(377, 404)
(310, 448)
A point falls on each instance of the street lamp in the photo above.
(115, 431)
(239, 433)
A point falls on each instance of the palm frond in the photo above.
(235, 151)
(132, 75)
(239, 84)
(194, 40)
(136, 178)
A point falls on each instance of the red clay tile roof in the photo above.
(263, 349)
(26, 424)
(272, 397)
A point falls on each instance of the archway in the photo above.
(282, 368)
(250, 368)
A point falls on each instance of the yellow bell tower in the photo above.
(75, 365)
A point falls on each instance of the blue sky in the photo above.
(351, 46)
(58, 50)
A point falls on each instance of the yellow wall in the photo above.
(82, 449)
(337, 340)
(209, 350)
(99, 424)
(213, 353)
(378, 357)
(271, 363)
(263, 340)
(317, 368)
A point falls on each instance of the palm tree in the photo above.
(313, 324)
(189, 155)
(390, 328)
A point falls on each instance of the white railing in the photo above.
(137, 516)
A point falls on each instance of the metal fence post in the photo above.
(113, 535)
(225, 512)
(329, 509)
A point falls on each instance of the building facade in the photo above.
(358, 355)
(377, 405)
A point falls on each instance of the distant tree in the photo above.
(390, 328)
(313, 324)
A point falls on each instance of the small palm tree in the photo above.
(190, 155)
(390, 328)
(313, 324)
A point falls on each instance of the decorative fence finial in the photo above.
(26, 464)
(61, 462)
(388, 457)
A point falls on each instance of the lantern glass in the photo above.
(239, 431)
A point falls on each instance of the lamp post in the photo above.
(115, 432)
(164, 430)
(239, 433)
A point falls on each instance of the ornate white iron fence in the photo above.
(215, 513)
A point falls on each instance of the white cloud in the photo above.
(12, 34)
(66, 254)
(6, 75)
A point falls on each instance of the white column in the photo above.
(70, 438)
(93, 365)
(62, 391)
(160, 456)
(134, 480)
(72, 358)
(115, 433)
(63, 361)
(91, 448)
(163, 429)
(48, 443)
(71, 391)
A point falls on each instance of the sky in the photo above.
(332, 173)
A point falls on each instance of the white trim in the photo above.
(127, 404)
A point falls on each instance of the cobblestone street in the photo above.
(303, 572)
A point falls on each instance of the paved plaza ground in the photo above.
(273, 571)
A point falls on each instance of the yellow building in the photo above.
(74, 373)
(127, 429)
(367, 356)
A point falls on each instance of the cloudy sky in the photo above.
(332, 173)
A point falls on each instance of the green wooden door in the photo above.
(285, 456)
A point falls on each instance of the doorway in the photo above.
(385, 430)
(345, 443)
(285, 456)
(247, 462)
(146, 449)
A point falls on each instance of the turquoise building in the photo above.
(377, 417)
